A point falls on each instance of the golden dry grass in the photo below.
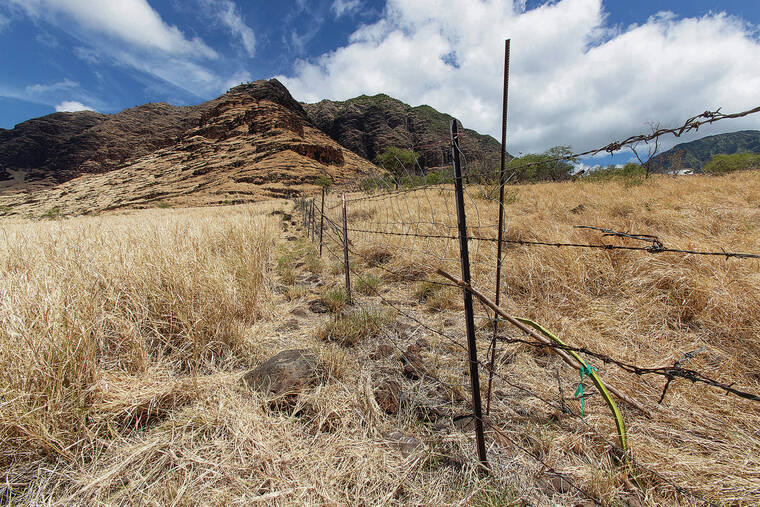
(123, 340)
(636, 307)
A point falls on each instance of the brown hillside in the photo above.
(253, 142)
(61, 146)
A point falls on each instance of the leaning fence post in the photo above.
(345, 251)
(469, 318)
(321, 220)
(502, 183)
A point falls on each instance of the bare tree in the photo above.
(651, 146)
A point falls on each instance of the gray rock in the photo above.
(317, 306)
(406, 444)
(287, 373)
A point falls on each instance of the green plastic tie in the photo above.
(585, 370)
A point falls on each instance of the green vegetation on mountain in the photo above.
(695, 154)
(722, 164)
(554, 164)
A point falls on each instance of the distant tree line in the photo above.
(555, 164)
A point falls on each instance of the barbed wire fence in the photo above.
(413, 232)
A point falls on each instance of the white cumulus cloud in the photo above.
(72, 106)
(575, 79)
(130, 33)
(133, 22)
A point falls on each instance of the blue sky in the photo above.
(584, 72)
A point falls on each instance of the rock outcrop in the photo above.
(62, 146)
(368, 125)
(284, 374)
(252, 143)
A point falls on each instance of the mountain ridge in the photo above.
(368, 124)
(252, 143)
(695, 154)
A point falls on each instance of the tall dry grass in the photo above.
(103, 318)
(636, 307)
(123, 340)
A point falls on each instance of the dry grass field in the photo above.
(123, 340)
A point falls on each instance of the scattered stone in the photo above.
(560, 485)
(578, 209)
(382, 351)
(465, 423)
(405, 443)
(414, 368)
(290, 325)
(317, 306)
(414, 348)
(426, 409)
(287, 373)
(632, 501)
(291, 238)
(388, 395)
(423, 344)
(300, 312)
(429, 412)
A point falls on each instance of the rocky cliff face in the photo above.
(251, 143)
(62, 146)
(368, 125)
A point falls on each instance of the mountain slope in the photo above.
(254, 142)
(61, 146)
(695, 154)
(367, 125)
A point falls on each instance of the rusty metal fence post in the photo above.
(477, 410)
(321, 220)
(345, 251)
(502, 183)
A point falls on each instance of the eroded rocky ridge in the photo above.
(251, 143)
(367, 125)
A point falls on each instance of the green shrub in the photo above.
(52, 214)
(335, 299)
(367, 284)
(629, 174)
(398, 160)
(723, 164)
(324, 181)
(355, 327)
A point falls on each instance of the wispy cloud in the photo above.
(341, 7)
(4, 22)
(72, 106)
(40, 89)
(131, 22)
(230, 16)
(130, 33)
